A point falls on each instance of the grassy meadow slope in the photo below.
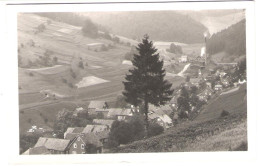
(208, 132)
(65, 42)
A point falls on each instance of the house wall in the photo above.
(78, 149)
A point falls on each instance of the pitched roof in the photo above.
(78, 129)
(41, 142)
(71, 136)
(37, 150)
(70, 130)
(57, 144)
(97, 104)
(88, 138)
(53, 143)
(119, 112)
(107, 122)
(94, 128)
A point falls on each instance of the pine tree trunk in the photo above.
(146, 125)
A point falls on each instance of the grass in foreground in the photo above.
(220, 134)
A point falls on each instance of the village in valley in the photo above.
(71, 89)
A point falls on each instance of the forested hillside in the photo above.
(231, 40)
(160, 25)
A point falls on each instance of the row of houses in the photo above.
(93, 137)
(77, 140)
(72, 144)
(125, 114)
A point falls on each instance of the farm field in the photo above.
(66, 42)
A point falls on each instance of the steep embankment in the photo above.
(229, 44)
(208, 132)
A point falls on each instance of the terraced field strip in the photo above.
(37, 105)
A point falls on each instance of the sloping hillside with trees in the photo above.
(160, 25)
(231, 40)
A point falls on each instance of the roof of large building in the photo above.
(97, 104)
(53, 143)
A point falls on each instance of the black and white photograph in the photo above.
(137, 81)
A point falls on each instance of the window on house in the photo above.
(82, 146)
(75, 145)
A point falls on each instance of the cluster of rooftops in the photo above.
(95, 134)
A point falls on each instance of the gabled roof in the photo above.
(70, 130)
(94, 128)
(53, 143)
(97, 104)
(71, 136)
(107, 122)
(78, 129)
(41, 142)
(119, 112)
(57, 144)
(87, 138)
(37, 150)
(73, 130)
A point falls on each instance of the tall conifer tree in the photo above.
(145, 83)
